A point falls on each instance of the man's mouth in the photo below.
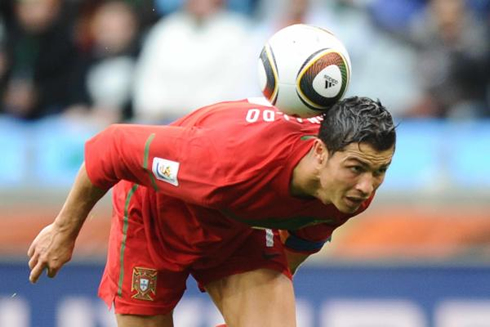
(354, 201)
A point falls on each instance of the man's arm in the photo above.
(295, 259)
(54, 245)
(298, 247)
(173, 160)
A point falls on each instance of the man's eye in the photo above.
(356, 169)
(380, 172)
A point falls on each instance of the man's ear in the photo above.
(320, 151)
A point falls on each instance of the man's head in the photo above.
(349, 159)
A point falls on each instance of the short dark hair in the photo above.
(357, 120)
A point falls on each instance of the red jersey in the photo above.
(231, 160)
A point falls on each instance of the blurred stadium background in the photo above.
(419, 257)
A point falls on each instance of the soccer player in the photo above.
(236, 194)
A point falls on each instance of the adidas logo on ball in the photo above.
(329, 81)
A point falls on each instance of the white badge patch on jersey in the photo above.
(166, 170)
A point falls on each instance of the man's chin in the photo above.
(347, 206)
(348, 210)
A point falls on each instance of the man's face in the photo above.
(349, 177)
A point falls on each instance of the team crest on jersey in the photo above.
(144, 283)
(166, 170)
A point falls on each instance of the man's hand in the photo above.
(50, 250)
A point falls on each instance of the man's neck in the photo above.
(304, 181)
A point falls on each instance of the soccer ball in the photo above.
(304, 70)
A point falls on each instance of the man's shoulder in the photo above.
(259, 111)
(247, 121)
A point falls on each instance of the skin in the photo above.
(261, 298)
(345, 178)
(144, 321)
(54, 245)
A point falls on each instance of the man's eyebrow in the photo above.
(363, 163)
(366, 164)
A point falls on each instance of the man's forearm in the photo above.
(54, 244)
(82, 198)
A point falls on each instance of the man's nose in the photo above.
(366, 184)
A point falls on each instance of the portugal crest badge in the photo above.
(144, 283)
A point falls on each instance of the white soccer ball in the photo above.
(304, 70)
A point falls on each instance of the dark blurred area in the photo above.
(50, 48)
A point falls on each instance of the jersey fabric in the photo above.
(199, 185)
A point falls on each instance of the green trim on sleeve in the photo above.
(125, 236)
(145, 161)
